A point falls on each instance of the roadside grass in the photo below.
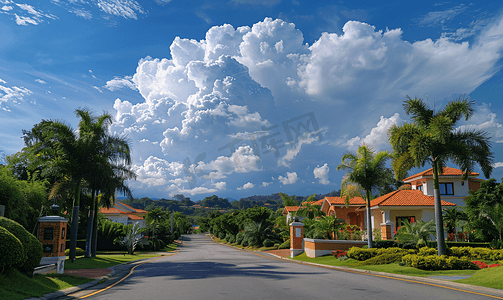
(490, 277)
(14, 285)
(104, 261)
(394, 268)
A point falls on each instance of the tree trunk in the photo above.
(95, 231)
(90, 223)
(369, 221)
(75, 223)
(438, 212)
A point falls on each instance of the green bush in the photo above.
(268, 243)
(239, 237)
(31, 246)
(11, 250)
(385, 259)
(230, 238)
(244, 243)
(78, 251)
(425, 251)
(472, 253)
(435, 262)
(361, 254)
(285, 245)
(385, 244)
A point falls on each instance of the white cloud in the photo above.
(322, 173)
(248, 185)
(40, 81)
(498, 165)
(220, 185)
(264, 184)
(7, 7)
(213, 96)
(485, 120)
(13, 94)
(291, 178)
(118, 83)
(438, 18)
(122, 8)
(378, 135)
(257, 2)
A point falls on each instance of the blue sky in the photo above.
(246, 97)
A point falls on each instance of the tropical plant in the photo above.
(289, 200)
(415, 234)
(453, 218)
(154, 218)
(366, 170)
(484, 210)
(328, 226)
(133, 237)
(256, 233)
(432, 138)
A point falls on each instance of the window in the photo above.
(446, 188)
(419, 187)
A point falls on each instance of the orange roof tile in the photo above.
(291, 208)
(342, 201)
(447, 172)
(135, 209)
(134, 217)
(406, 198)
(111, 210)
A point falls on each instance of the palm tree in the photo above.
(327, 226)
(154, 217)
(367, 169)
(432, 138)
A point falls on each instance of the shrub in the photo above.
(239, 237)
(285, 245)
(364, 254)
(385, 244)
(244, 243)
(385, 258)
(361, 254)
(78, 252)
(339, 253)
(473, 253)
(268, 243)
(435, 262)
(230, 238)
(425, 251)
(11, 250)
(31, 246)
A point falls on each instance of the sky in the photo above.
(247, 97)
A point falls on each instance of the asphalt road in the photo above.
(206, 270)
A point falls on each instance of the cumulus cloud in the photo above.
(291, 178)
(378, 135)
(221, 185)
(498, 165)
(207, 107)
(119, 83)
(322, 173)
(485, 120)
(248, 185)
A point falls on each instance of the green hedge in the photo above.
(31, 246)
(79, 252)
(477, 253)
(385, 258)
(285, 245)
(11, 250)
(433, 244)
(365, 254)
(435, 262)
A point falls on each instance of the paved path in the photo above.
(206, 270)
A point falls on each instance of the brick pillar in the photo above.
(52, 235)
(387, 230)
(296, 238)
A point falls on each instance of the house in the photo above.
(416, 203)
(289, 211)
(452, 186)
(353, 214)
(125, 214)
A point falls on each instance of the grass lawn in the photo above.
(14, 285)
(490, 277)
